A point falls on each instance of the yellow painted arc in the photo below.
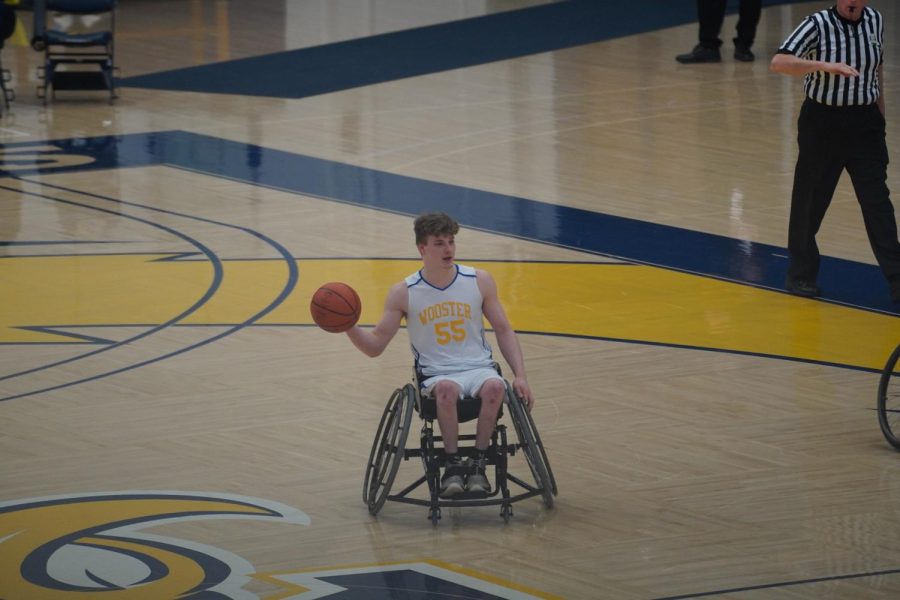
(626, 302)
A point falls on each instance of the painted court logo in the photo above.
(28, 157)
(91, 546)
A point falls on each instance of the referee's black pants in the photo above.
(832, 139)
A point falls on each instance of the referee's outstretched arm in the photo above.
(788, 64)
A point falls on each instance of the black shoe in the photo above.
(700, 54)
(799, 287)
(742, 52)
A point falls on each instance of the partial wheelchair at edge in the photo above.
(389, 449)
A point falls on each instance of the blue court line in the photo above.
(808, 361)
(844, 282)
(782, 584)
(56, 242)
(293, 276)
(432, 49)
(85, 339)
(210, 291)
(65, 254)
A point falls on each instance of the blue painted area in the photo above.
(406, 584)
(843, 281)
(454, 45)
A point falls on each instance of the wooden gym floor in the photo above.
(172, 425)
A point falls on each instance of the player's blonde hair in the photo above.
(436, 223)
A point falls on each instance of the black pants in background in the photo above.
(832, 139)
(711, 14)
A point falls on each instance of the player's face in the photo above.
(851, 9)
(438, 251)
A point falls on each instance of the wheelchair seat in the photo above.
(389, 449)
(467, 408)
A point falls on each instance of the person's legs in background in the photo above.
(748, 19)
(710, 14)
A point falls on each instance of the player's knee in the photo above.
(492, 391)
(446, 393)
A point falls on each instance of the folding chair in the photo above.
(77, 38)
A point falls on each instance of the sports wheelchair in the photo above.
(389, 448)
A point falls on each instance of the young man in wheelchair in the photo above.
(443, 304)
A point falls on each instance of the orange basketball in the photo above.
(335, 307)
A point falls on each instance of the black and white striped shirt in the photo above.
(828, 37)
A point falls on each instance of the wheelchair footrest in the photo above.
(468, 496)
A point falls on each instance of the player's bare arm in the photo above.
(506, 336)
(788, 64)
(372, 342)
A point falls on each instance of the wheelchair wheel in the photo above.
(532, 448)
(388, 448)
(540, 447)
(889, 400)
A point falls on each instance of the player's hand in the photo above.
(520, 386)
(843, 70)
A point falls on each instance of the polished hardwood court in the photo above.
(170, 416)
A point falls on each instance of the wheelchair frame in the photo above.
(389, 449)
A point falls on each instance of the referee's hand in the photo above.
(842, 70)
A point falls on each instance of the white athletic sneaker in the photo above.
(452, 481)
(451, 485)
(478, 481)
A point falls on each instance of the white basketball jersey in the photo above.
(446, 328)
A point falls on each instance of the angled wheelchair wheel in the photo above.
(540, 446)
(388, 448)
(889, 400)
(532, 448)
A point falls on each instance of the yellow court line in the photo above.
(623, 302)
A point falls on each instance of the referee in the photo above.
(839, 52)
